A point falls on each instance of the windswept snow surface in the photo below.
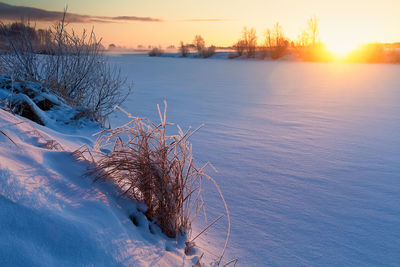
(308, 153)
(51, 214)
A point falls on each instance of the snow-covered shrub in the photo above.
(39, 104)
(73, 66)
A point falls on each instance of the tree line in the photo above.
(275, 43)
(307, 46)
(199, 45)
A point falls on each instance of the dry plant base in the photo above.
(154, 168)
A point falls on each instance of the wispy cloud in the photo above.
(135, 18)
(10, 12)
(206, 20)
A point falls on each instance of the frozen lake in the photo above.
(308, 153)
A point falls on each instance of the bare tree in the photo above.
(239, 46)
(184, 49)
(280, 42)
(313, 29)
(250, 40)
(303, 39)
(268, 41)
(278, 35)
(199, 44)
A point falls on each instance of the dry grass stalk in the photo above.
(152, 167)
(3, 133)
(155, 168)
(234, 261)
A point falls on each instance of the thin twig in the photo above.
(205, 229)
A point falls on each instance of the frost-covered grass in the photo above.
(308, 153)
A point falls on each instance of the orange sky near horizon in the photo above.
(343, 23)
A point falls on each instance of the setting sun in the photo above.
(341, 49)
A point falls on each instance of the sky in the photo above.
(130, 23)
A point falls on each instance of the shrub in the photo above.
(73, 67)
(278, 52)
(156, 52)
(208, 52)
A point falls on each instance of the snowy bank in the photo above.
(53, 215)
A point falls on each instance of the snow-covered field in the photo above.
(308, 157)
(308, 153)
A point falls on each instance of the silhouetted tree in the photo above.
(268, 38)
(250, 39)
(278, 35)
(240, 47)
(313, 29)
(280, 42)
(199, 44)
(184, 49)
(303, 40)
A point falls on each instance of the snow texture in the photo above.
(308, 153)
(308, 157)
(51, 214)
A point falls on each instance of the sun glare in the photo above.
(341, 49)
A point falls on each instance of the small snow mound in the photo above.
(39, 104)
